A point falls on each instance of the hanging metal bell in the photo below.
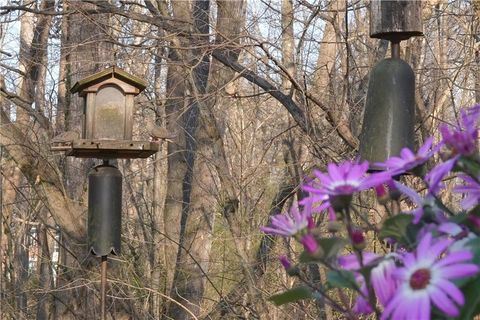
(388, 123)
(104, 210)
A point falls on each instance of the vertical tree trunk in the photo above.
(476, 41)
(24, 90)
(175, 108)
(196, 224)
(325, 86)
(159, 258)
(64, 82)
(288, 44)
(44, 303)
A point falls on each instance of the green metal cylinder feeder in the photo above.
(104, 210)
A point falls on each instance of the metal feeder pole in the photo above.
(395, 47)
(103, 288)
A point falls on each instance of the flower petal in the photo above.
(424, 246)
(455, 257)
(443, 303)
(424, 308)
(334, 172)
(394, 304)
(412, 194)
(459, 270)
(435, 250)
(452, 291)
(450, 228)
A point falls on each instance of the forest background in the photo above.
(252, 93)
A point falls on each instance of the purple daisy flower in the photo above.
(462, 139)
(341, 181)
(381, 277)
(290, 224)
(408, 160)
(362, 306)
(435, 176)
(350, 262)
(471, 188)
(426, 278)
(383, 281)
(422, 203)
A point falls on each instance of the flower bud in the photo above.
(285, 262)
(382, 195)
(358, 239)
(311, 245)
(291, 270)
(332, 216)
(310, 223)
(475, 221)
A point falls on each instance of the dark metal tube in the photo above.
(389, 118)
(104, 210)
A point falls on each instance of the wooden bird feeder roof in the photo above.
(110, 73)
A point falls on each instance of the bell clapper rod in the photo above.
(103, 288)
(395, 46)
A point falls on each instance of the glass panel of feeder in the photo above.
(110, 114)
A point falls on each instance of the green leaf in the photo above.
(291, 295)
(341, 279)
(306, 257)
(332, 246)
(471, 292)
(474, 246)
(396, 228)
(459, 218)
(468, 165)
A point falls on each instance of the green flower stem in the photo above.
(365, 220)
(371, 296)
(327, 298)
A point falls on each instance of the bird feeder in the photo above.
(389, 118)
(107, 121)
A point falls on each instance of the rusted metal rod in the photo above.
(395, 46)
(103, 288)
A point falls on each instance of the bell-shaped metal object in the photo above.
(104, 210)
(388, 123)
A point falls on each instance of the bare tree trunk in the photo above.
(177, 167)
(44, 303)
(288, 45)
(24, 91)
(476, 42)
(159, 258)
(325, 80)
(64, 77)
(196, 224)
